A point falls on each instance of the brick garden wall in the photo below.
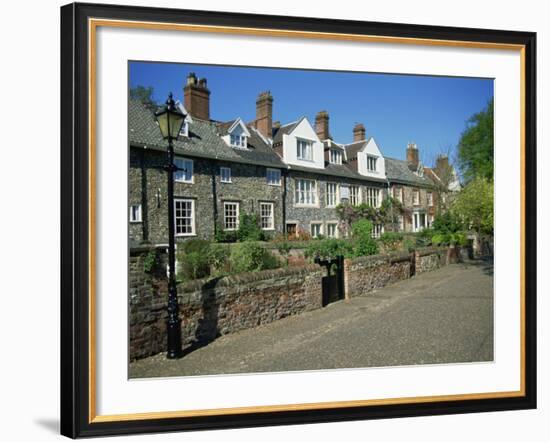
(210, 308)
(366, 273)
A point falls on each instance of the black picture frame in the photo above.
(75, 220)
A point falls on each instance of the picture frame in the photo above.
(80, 176)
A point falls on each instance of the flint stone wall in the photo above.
(215, 307)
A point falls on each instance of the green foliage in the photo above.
(250, 257)
(361, 233)
(454, 238)
(329, 248)
(143, 94)
(475, 148)
(225, 236)
(408, 244)
(447, 222)
(218, 258)
(249, 228)
(193, 259)
(387, 214)
(424, 238)
(150, 261)
(474, 206)
(391, 240)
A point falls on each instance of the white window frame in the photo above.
(398, 193)
(312, 191)
(430, 199)
(137, 219)
(335, 156)
(238, 141)
(225, 178)
(270, 174)
(354, 199)
(416, 197)
(401, 222)
(304, 147)
(315, 223)
(377, 230)
(184, 131)
(335, 195)
(185, 200)
(374, 159)
(271, 216)
(335, 224)
(182, 176)
(373, 196)
(237, 215)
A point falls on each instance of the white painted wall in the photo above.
(371, 149)
(305, 131)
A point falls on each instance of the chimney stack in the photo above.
(412, 156)
(321, 125)
(197, 97)
(359, 132)
(442, 163)
(264, 114)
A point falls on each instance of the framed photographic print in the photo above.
(274, 220)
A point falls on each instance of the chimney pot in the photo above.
(197, 97)
(412, 156)
(359, 133)
(264, 114)
(322, 126)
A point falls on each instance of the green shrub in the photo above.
(250, 257)
(445, 239)
(391, 240)
(193, 259)
(447, 223)
(364, 244)
(329, 248)
(218, 258)
(408, 245)
(150, 261)
(225, 236)
(249, 228)
(424, 238)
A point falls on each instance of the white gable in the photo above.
(371, 149)
(303, 132)
(237, 131)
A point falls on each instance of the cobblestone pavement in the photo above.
(437, 317)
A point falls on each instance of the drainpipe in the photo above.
(283, 174)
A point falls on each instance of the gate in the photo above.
(333, 282)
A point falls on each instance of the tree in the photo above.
(475, 148)
(143, 94)
(474, 206)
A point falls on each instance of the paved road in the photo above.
(438, 317)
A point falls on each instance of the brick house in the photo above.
(292, 176)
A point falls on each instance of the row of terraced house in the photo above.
(292, 175)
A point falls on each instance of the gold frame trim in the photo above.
(93, 24)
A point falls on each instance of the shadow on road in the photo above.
(485, 263)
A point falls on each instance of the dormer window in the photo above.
(371, 163)
(335, 156)
(184, 131)
(304, 150)
(238, 140)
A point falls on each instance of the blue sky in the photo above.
(395, 109)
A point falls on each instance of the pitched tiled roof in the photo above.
(203, 140)
(284, 130)
(353, 149)
(338, 170)
(398, 171)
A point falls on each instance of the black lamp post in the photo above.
(170, 120)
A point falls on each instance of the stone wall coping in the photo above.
(388, 257)
(140, 249)
(430, 251)
(248, 277)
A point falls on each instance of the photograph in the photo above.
(284, 219)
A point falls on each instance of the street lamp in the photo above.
(170, 120)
